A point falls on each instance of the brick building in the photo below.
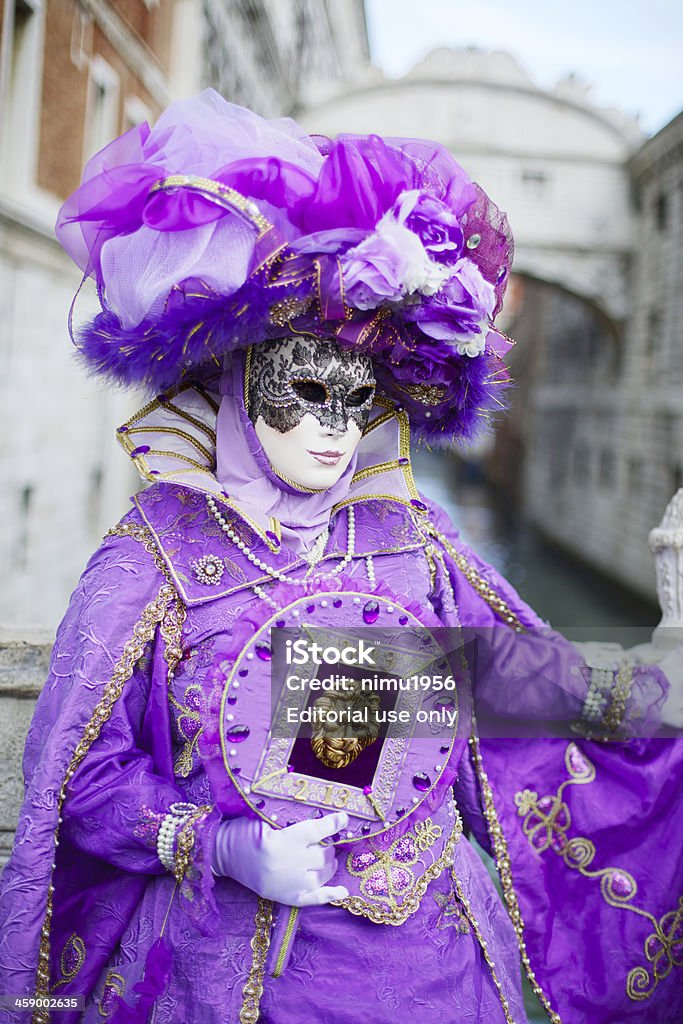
(74, 74)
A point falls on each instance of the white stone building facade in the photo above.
(605, 445)
(552, 160)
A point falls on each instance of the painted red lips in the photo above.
(330, 458)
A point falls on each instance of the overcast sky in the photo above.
(631, 51)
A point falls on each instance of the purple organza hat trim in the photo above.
(217, 227)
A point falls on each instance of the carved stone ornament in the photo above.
(666, 543)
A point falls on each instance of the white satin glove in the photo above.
(287, 865)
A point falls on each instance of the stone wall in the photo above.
(24, 658)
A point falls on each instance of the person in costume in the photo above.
(298, 306)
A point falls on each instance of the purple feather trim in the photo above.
(192, 337)
(192, 334)
(155, 980)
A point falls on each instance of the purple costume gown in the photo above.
(584, 834)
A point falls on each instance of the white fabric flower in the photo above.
(473, 344)
(420, 274)
(389, 265)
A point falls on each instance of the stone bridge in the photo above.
(555, 162)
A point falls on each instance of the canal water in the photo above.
(573, 598)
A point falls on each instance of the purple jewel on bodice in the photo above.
(421, 781)
(273, 538)
(419, 505)
(371, 613)
(232, 699)
(578, 762)
(141, 449)
(403, 620)
(263, 651)
(243, 672)
(337, 602)
(237, 733)
(622, 886)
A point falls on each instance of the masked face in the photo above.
(309, 401)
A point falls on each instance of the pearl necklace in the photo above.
(277, 574)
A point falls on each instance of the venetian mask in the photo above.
(309, 402)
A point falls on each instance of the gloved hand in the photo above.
(287, 865)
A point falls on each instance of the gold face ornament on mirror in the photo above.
(309, 402)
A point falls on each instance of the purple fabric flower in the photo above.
(393, 262)
(374, 272)
(460, 312)
(435, 224)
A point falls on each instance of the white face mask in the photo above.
(309, 401)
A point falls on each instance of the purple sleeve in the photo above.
(528, 678)
(117, 800)
(122, 793)
(97, 754)
(586, 836)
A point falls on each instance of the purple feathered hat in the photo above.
(216, 229)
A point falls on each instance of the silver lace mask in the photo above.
(292, 376)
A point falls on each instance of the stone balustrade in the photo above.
(24, 660)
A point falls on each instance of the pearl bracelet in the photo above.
(602, 678)
(178, 815)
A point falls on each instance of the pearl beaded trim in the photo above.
(598, 692)
(277, 574)
(170, 825)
